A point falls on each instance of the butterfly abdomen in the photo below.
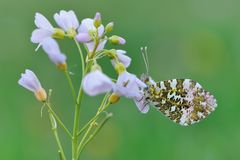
(184, 101)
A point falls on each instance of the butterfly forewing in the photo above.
(184, 101)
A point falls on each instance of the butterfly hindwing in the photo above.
(184, 101)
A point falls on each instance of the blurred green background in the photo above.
(198, 39)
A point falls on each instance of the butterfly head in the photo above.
(147, 79)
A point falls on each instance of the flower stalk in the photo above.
(91, 35)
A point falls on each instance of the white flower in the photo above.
(87, 27)
(96, 82)
(86, 33)
(30, 81)
(52, 49)
(127, 85)
(125, 60)
(67, 20)
(44, 30)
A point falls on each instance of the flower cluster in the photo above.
(91, 33)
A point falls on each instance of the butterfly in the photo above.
(183, 101)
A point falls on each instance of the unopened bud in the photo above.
(114, 98)
(117, 40)
(109, 27)
(58, 33)
(97, 20)
(41, 95)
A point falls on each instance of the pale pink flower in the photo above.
(30, 81)
(96, 82)
(67, 20)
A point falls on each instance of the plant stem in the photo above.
(55, 132)
(79, 100)
(95, 132)
(101, 109)
(58, 120)
(78, 106)
(81, 56)
(96, 116)
(76, 124)
(71, 85)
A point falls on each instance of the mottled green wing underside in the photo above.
(183, 101)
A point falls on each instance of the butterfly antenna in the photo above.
(145, 58)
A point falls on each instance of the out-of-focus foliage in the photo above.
(189, 39)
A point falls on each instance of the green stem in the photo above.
(101, 109)
(79, 100)
(95, 132)
(95, 117)
(78, 106)
(58, 120)
(81, 56)
(88, 123)
(76, 124)
(71, 85)
(55, 132)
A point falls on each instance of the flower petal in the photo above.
(66, 20)
(96, 83)
(83, 38)
(38, 35)
(128, 85)
(30, 81)
(122, 58)
(42, 22)
(52, 49)
(88, 26)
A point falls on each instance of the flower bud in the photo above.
(120, 68)
(117, 40)
(114, 98)
(109, 27)
(58, 33)
(97, 20)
